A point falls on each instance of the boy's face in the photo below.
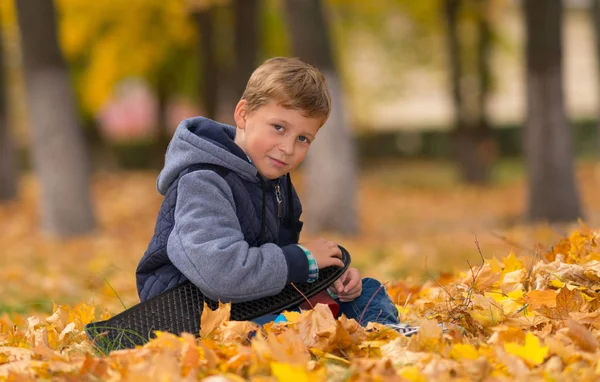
(275, 138)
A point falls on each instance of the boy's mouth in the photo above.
(277, 162)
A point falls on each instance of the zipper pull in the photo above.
(279, 200)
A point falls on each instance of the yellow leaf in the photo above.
(486, 311)
(495, 265)
(532, 352)
(412, 373)
(511, 263)
(464, 351)
(321, 354)
(289, 373)
(510, 302)
(556, 283)
(292, 316)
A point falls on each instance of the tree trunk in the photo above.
(163, 133)
(209, 73)
(548, 141)
(473, 143)
(8, 162)
(331, 163)
(59, 154)
(595, 16)
(246, 42)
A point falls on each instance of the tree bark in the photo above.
(246, 42)
(59, 153)
(331, 163)
(548, 142)
(8, 161)
(163, 133)
(473, 143)
(595, 18)
(209, 72)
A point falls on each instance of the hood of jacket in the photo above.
(200, 140)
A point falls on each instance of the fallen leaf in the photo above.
(531, 352)
(582, 336)
(212, 319)
(537, 298)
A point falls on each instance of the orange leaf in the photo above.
(567, 301)
(212, 319)
(537, 298)
(582, 336)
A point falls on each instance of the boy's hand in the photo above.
(325, 252)
(349, 286)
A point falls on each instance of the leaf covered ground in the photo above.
(518, 301)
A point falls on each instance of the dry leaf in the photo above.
(212, 319)
(582, 336)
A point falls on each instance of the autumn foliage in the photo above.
(523, 315)
(509, 317)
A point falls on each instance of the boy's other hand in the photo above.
(349, 286)
(325, 252)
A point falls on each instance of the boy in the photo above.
(230, 219)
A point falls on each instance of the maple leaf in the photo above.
(486, 311)
(512, 281)
(212, 319)
(482, 279)
(531, 352)
(286, 347)
(236, 331)
(510, 302)
(317, 327)
(567, 301)
(511, 263)
(537, 298)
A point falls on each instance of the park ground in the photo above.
(417, 221)
(518, 301)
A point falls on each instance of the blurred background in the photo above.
(460, 129)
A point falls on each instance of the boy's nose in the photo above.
(287, 147)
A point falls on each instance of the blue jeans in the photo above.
(373, 305)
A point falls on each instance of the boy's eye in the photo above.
(302, 138)
(278, 127)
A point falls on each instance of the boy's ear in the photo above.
(240, 113)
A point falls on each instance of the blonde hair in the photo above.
(292, 84)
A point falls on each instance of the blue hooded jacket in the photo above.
(221, 225)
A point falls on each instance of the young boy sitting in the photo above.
(229, 222)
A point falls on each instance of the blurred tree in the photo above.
(107, 41)
(331, 177)
(548, 142)
(246, 42)
(59, 154)
(470, 86)
(595, 18)
(228, 35)
(8, 161)
(209, 74)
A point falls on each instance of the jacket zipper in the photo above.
(279, 199)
